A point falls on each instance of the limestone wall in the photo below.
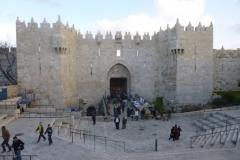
(226, 70)
(141, 61)
(195, 66)
(62, 67)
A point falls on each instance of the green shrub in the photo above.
(216, 102)
(236, 100)
(228, 96)
(159, 104)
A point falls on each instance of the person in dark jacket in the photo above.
(179, 130)
(117, 121)
(172, 134)
(143, 113)
(124, 122)
(17, 145)
(49, 131)
(6, 137)
(94, 118)
(40, 129)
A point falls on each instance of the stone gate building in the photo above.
(63, 67)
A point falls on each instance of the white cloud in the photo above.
(8, 33)
(168, 12)
(235, 27)
(235, 46)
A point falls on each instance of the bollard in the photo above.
(72, 137)
(94, 141)
(156, 145)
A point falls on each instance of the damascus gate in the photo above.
(64, 67)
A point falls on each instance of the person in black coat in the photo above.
(94, 118)
(17, 145)
(172, 134)
(179, 130)
(49, 131)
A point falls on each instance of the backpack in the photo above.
(22, 147)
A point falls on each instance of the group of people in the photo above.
(49, 131)
(175, 133)
(17, 144)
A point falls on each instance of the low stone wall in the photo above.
(40, 110)
(98, 118)
(69, 120)
(13, 113)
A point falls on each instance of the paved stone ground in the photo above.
(139, 143)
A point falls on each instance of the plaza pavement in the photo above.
(140, 144)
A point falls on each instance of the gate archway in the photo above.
(119, 79)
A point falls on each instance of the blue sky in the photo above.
(121, 15)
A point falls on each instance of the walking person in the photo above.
(94, 118)
(143, 113)
(169, 114)
(40, 129)
(132, 114)
(6, 137)
(49, 131)
(117, 121)
(136, 115)
(17, 145)
(124, 122)
(179, 130)
(176, 132)
(172, 135)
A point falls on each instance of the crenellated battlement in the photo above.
(226, 53)
(146, 37)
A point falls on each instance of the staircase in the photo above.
(5, 119)
(218, 130)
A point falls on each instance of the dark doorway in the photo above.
(118, 85)
(90, 110)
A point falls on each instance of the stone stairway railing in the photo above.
(89, 138)
(225, 138)
(216, 130)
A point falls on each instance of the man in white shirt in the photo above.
(117, 121)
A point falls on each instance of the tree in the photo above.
(7, 61)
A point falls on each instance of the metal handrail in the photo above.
(50, 116)
(42, 106)
(104, 138)
(220, 108)
(217, 127)
(73, 129)
(7, 106)
(30, 156)
(212, 135)
(222, 120)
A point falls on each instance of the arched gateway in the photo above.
(119, 79)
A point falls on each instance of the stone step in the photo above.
(5, 121)
(206, 123)
(63, 130)
(2, 116)
(235, 135)
(228, 143)
(213, 140)
(217, 143)
(201, 139)
(238, 141)
(210, 137)
(194, 143)
(215, 122)
(200, 126)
